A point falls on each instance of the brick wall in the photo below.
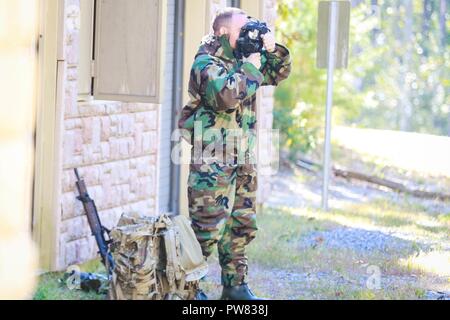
(114, 145)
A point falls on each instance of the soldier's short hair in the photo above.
(223, 17)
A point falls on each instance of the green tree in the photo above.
(397, 76)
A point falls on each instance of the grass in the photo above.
(407, 151)
(278, 237)
(52, 286)
(437, 262)
(282, 269)
(324, 273)
(422, 163)
(385, 214)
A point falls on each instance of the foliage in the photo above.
(397, 76)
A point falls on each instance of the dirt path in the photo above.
(373, 245)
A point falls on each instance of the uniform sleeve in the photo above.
(224, 89)
(275, 66)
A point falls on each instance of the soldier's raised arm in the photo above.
(276, 66)
(222, 89)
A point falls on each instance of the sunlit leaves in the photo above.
(398, 78)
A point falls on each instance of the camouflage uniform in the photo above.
(222, 194)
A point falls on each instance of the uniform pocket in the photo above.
(211, 176)
(247, 178)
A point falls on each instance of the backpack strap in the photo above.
(115, 289)
(173, 268)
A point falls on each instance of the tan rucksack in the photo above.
(155, 258)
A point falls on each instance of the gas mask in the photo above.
(250, 40)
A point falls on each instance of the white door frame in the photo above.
(49, 121)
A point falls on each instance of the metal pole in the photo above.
(177, 97)
(331, 63)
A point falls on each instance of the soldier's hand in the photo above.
(255, 59)
(269, 41)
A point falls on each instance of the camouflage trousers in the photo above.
(222, 207)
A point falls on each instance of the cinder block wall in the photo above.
(115, 146)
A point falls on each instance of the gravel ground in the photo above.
(287, 191)
(281, 284)
(295, 283)
(361, 241)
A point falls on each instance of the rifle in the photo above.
(98, 231)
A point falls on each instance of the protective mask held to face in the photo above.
(250, 40)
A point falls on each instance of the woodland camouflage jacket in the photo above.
(222, 89)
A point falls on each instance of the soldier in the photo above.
(222, 187)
